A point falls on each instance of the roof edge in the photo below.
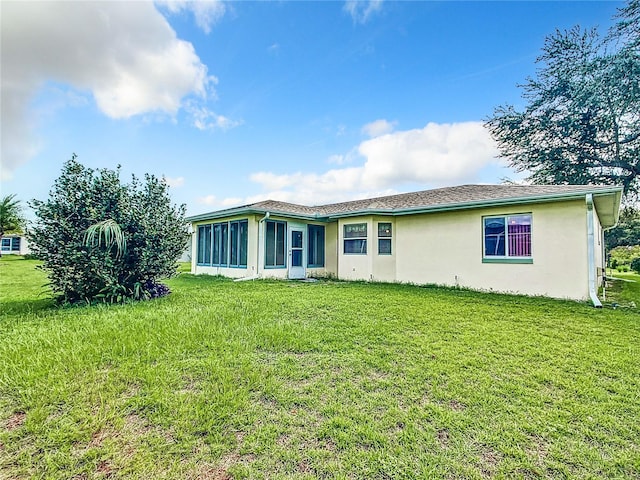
(553, 197)
(556, 197)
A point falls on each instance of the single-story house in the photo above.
(528, 239)
(13, 244)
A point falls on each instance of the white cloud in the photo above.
(206, 12)
(207, 200)
(378, 127)
(205, 119)
(123, 53)
(436, 155)
(274, 49)
(231, 202)
(174, 182)
(361, 10)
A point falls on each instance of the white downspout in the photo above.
(591, 258)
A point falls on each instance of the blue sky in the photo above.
(233, 102)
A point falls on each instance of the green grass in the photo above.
(624, 289)
(273, 380)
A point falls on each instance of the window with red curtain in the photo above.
(507, 236)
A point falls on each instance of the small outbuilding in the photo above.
(527, 239)
(13, 244)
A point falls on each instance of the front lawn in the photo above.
(270, 379)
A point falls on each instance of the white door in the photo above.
(296, 253)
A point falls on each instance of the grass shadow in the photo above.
(21, 307)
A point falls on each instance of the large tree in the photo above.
(581, 121)
(103, 240)
(11, 217)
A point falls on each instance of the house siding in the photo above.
(446, 249)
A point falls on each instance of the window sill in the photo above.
(508, 260)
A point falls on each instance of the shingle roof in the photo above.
(462, 196)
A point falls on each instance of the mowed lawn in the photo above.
(269, 379)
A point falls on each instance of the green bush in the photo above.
(624, 254)
(635, 264)
(102, 240)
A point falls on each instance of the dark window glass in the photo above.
(315, 254)
(204, 244)
(355, 230)
(384, 246)
(275, 244)
(234, 228)
(244, 243)
(296, 239)
(238, 243)
(280, 243)
(358, 246)
(507, 236)
(296, 258)
(384, 229)
(270, 244)
(355, 235)
(494, 230)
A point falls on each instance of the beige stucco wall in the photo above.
(355, 266)
(446, 248)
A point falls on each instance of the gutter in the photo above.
(591, 258)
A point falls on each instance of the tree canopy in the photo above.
(12, 219)
(581, 121)
(103, 240)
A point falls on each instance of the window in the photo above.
(315, 252)
(275, 244)
(15, 244)
(204, 244)
(220, 244)
(223, 244)
(507, 237)
(239, 241)
(6, 244)
(355, 239)
(384, 238)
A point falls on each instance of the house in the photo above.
(528, 239)
(13, 244)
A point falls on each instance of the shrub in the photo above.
(635, 264)
(624, 254)
(102, 240)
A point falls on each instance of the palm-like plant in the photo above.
(11, 218)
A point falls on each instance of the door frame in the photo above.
(296, 272)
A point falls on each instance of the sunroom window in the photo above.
(223, 244)
(275, 244)
(315, 255)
